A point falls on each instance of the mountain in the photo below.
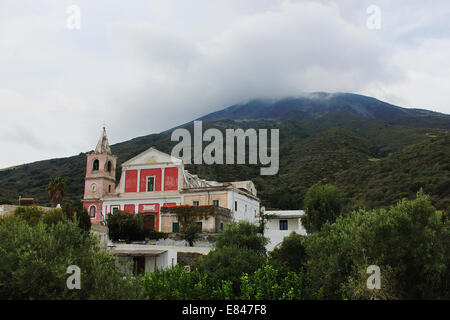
(315, 105)
(374, 151)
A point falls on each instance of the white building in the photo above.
(137, 259)
(281, 224)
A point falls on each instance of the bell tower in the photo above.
(100, 179)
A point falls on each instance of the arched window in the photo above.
(92, 210)
(95, 165)
(109, 166)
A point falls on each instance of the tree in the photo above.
(76, 210)
(229, 264)
(239, 249)
(31, 214)
(54, 216)
(408, 241)
(70, 211)
(175, 283)
(35, 259)
(323, 202)
(267, 283)
(56, 190)
(290, 256)
(242, 234)
(125, 226)
(188, 216)
(190, 233)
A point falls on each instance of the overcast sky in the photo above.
(145, 66)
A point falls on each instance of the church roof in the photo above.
(151, 156)
(103, 144)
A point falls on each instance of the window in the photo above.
(92, 210)
(199, 223)
(221, 226)
(216, 203)
(139, 265)
(109, 166)
(150, 184)
(115, 209)
(109, 188)
(283, 224)
(175, 227)
(95, 165)
(235, 206)
(195, 203)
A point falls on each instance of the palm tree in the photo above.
(56, 190)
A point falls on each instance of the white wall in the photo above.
(246, 207)
(276, 236)
(163, 261)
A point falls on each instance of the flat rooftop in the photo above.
(152, 250)
(286, 213)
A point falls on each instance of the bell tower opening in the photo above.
(100, 178)
(95, 165)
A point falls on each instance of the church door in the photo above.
(149, 221)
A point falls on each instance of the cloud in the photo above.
(151, 65)
(297, 48)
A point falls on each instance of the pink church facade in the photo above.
(154, 179)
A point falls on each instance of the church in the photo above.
(153, 180)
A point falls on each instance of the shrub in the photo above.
(408, 241)
(242, 235)
(229, 263)
(191, 233)
(125, 226)
(267, 284)
(34, 262)
(323, 202)
(54, 216)
(76, 210)
(176, 284)
(31, 214)
(290, 256)
(155, 235)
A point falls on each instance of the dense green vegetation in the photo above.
(323, 203)
(240, 249)
(290, 256)
(424, 165)
(71, 211)
(409, 241)
(130, 227)
(36, 252)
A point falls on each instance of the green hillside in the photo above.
(374, 161)
(424, 165)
